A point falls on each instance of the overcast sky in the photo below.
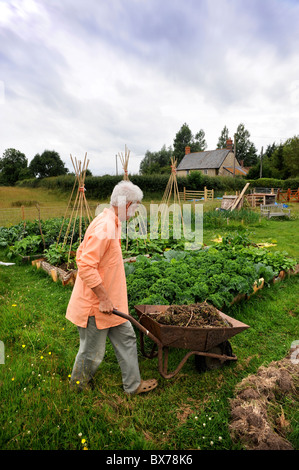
(93, 76)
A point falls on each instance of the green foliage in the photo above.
(246, 151)
(12, 163)
(25, 240)
(218, 219)
(100, 187)
(156, 162)
(221, 144)
(57, 254)
(134, 247)
(291, 156)
(47, 164)
(31, 245)
(216, 274)
(279, 161)
(184, 137)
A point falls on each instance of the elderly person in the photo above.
(101, 286)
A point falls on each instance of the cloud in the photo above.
(97, 76)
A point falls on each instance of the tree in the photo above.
(246, 150)
(276, 162)
(184, 138)
(12, 164)
(156, 162)
(199, 144)
(291, 157)
(279, 161)
(223, 138)
(47, 164)
(268, 169)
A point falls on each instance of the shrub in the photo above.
(292, 183)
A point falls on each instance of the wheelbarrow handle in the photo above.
(137, 324)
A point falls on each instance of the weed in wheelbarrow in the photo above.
(201, 315)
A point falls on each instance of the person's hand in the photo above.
(106, 306)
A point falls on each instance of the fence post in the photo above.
(23, 215)
(205, 194)
(184, 193)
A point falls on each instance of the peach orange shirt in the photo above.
(99, 260)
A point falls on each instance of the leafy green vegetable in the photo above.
(216, 274)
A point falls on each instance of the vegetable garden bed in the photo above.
(220, 275)
(162, 271)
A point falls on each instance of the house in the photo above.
(212, 162)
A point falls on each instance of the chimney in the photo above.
(229, 144)
(187, 150)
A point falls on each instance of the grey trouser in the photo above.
(92, 350)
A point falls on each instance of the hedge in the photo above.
(100, 187)
(292, 183)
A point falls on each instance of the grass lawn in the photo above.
(51, 204)
(191, 411)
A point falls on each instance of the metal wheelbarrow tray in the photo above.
(209, 345)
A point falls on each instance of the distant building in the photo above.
(212, 162)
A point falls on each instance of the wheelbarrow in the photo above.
(209, 345)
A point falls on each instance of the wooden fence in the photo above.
(206, 195)
(288, 195)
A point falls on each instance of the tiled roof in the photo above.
(238, 170)
(203, 160)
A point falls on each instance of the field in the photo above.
(191, 411)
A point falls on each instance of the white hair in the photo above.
(125, 192)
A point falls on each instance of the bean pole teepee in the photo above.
(125, 162)
(172, 186)
(171, 190)
(80, 208)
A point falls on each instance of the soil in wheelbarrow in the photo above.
(200, 315)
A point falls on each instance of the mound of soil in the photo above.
(200, 315)
(252, 423)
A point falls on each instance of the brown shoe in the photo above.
(146, 386)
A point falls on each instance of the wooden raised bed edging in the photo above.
(66, 277)
(256, 287)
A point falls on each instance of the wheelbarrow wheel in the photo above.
(204, 363)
